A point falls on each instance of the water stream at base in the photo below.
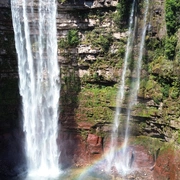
(34, 24)
(121, 162)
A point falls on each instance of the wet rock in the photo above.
(94, 139)
(94, 144)
(167, 165)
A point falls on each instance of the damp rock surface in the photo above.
(167, 165)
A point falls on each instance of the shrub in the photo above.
(174, 92)
(170, 47)
(63, 43)
(165, 90)
(73, 38)
(105, 42)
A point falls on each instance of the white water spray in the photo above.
(111, 157)
(34, 25)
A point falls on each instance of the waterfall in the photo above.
(121, 92)
(134, 90)
(122, 164)
(34, 24)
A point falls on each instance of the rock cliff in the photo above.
(92, 37)
(12, 159)
(91, 71)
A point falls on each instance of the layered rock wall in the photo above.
(91, 71)
(91, 46)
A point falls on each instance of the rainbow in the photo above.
(98, 168)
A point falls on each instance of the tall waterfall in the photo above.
(134, 90)
(122, 163)
(111, 158)
(34, 23)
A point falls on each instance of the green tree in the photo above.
(172, 16)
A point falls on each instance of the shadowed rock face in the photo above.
(12, 158)
(167, 165)
(5, 3)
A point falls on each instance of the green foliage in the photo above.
(63, 43)
(72, 40)
(151, 144)
(121, 15)
(165, 73)
(172, 16)
(99, 39)
(165, 90)
(62, 1)
(175, 89)
(153, 90)
(121, 50)
(174, 92)
(94, 103)
(118, 17)
(170, 46)
(173, 24)
(84, 133)
(156, 46)
(104, 41)
(143, 111)
(70, 87)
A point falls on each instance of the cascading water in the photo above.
(122, 164)
(34, 23)
(111, 157)
(134, 90)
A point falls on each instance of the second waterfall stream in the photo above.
(122, 161)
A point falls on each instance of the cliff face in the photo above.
(8, 71)
(11, 146)
(92, 40)
(92, 37)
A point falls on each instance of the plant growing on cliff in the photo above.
(63, 43)
(61, 1)
(105, 42)
(173, 24)
(72, 39)
(170, 46)
(121, 15)
(99, 39)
